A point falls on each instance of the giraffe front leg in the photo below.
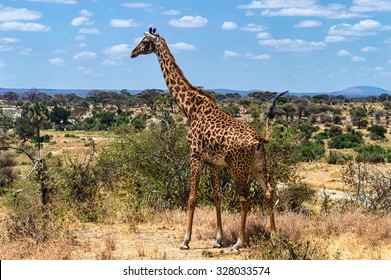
(196, 167)
(216, 184)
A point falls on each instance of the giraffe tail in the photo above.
(271, 114)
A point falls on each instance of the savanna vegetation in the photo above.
(88, 177)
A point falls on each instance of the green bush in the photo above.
(371, 153)
(138, 123)
(338, 158)
(293, 197)
(346, 140)
(377, 132)
(310, 151)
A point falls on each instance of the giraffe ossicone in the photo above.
(215, 139)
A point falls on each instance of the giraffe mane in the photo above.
(202, 93)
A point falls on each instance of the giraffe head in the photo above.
(147, 44)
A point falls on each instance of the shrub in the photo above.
(232, 110)
(293, 197)
(370, 186)
(338, 158)
(371, 153)
(334, 131)
(346, 140)
(310, 151)
(138, 123)
(7, 172)
(377, 132)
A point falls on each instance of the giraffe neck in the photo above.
(187, 96)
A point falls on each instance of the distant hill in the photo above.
(361, 91)
(356, 91)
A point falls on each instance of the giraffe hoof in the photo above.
(235, 250)
(184, 247)
(217, 245)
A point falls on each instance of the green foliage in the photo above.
(292, 197)
(138, 124)
(281, 247)
(6, 121)
(232, 110)
(83, 186)
(346, 140)
(377, 132)
(371, 153)
(7, 171)
(334, 131)
(310, 151)
(338, 158)
(153, 164)
(282, 154)
(59, 115)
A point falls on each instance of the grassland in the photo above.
(130, 232)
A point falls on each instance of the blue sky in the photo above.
(296, 45)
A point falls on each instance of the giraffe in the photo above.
(215, 139)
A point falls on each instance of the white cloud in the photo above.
(263, 35)
(258, 57)
(358, 59)
(57, 61)
(56, 1)
(9, 40)
(16, 14)
(230, 54)
(25, 51)
(189, 22)
(88, 71)
(109, 62)
(308, 24)
(309, 8)
(171, 12)
(276, 4)
(344, 53)
(335, 39)
(60, 51)
(370, 49)
(251, 27)
(182, 46)
(136, 5)
(84, 55)
(2, 64)
(124, 23)
(118, 51)
(293, 45)
(89, 31)
(229, 25)
(6, 48)
(23, 26)
(366, 27)
(85, 13)
(371, 6)
(83, 20)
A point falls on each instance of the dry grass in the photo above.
(349, 235)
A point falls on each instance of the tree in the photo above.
(59, 115)
(377, 132)
(37, 114)
(6, 122)
(359, 117)
(10, 97)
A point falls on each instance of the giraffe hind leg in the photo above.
(216, 184)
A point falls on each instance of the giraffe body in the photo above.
(215, 139)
